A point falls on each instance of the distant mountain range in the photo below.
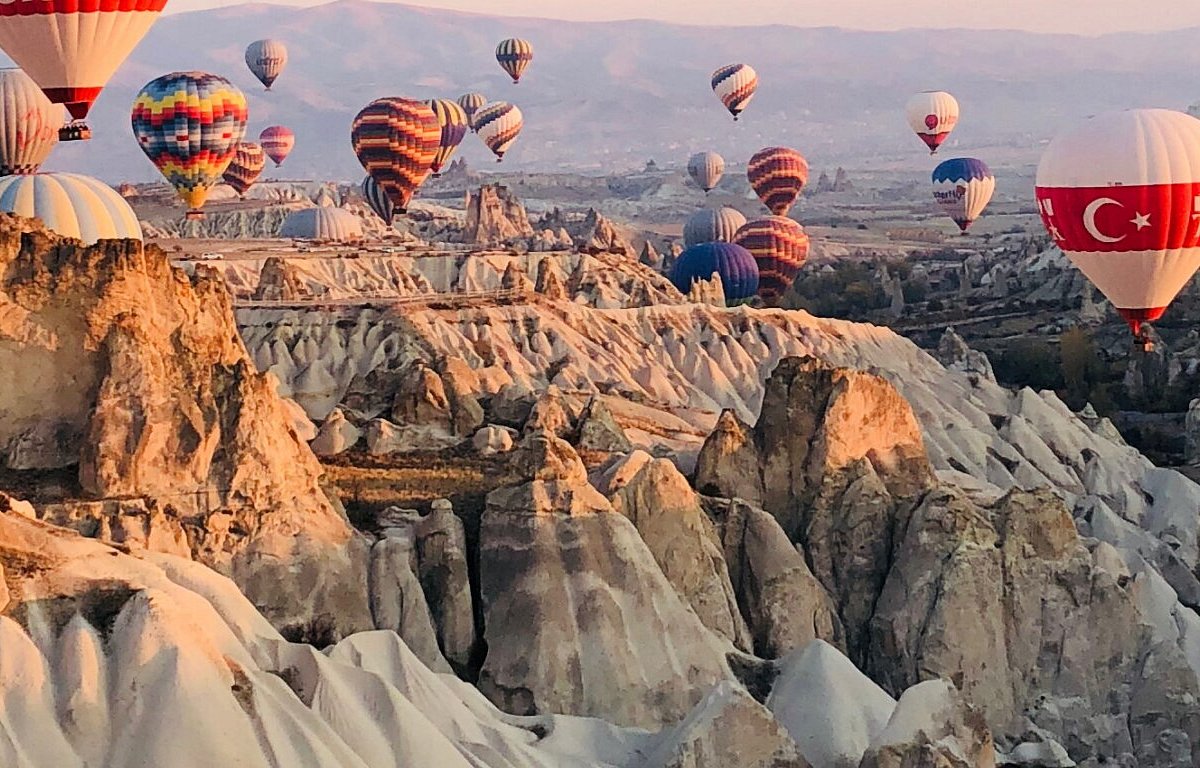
(606, 97)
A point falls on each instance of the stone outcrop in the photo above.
(954, 353)
(932, 727)
(280, 281)
(561, 573)
(495, 215)
(667, 513)
(110, 343)
(599, 430)
(338, 435)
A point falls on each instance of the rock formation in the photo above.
(561, 574)
(954, 353)
(495, 215)
(140, 375)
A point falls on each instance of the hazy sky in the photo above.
(1087, 17)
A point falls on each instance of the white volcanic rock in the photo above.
(491, 440)
(300, 423)
(397, 600)
(831, 709)
(336, 435)
(667, 513)
(578, 618)
(931, 726)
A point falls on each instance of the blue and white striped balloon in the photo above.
(963, 186)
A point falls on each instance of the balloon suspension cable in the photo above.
(76, 131)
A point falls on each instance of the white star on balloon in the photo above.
(1141, 221)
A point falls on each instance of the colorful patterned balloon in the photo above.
(778, 175)
(189, 125)
(378, 200)
(471, 102)
(453, 120)
(396, 141)
(780, 248)
(29, 123)
(735, 85)
(963, 187)
(514, 55)
(498, 125)
(245, 168)
(72, 47)
(277, 141)
(735, 265)
(266, 59)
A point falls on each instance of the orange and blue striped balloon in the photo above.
(514, 54)
(189, 125)
(778, 176)
(247, 164)
(780, 247)
(396, 141)
(453, 120)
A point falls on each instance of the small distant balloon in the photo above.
(706, 169)
(277, 141)
(245, 168)
(471, 102)
(498, 125)
(453, 121)
(933, 115)
(380, 203)
(266, 59)
(514, 55)
(778, 176)
(963, 187)
(735, 85)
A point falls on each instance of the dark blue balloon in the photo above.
(735, 265)
(961, 169)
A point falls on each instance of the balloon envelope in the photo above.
(277, 141)
(471, 102)
(266, 59)
(933, 115)
(735, 85)
(29, 123)
(380, 203)
(322, 223)
(710, 226)
(453, 121)
(706, 169)
(498, 125)
(780, 247)
(1120, 195)
(396, 141)
(244, 169)
(963, 187)
(778, 176)
(514, 55)
(189, 125)
(734, 264)
(71, 205)
(71, 48)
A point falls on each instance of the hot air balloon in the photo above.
(709, 226)
(1120, 195)
(277, 141)
(471, 102)
(453, 120)
(71, 205)
(778, 175)
(396, 141)
(498, 124)
(780, 247)
(72, 48)
(29, 123)
(706, 169)
(322, 223)
(963, 187)
(932, 114)
(266, 59)
(378, 200)
(189, 125)
(244, 169)
(735, 85)
(514, 55)
(735, 265)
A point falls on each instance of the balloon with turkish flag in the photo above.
(1120, 195)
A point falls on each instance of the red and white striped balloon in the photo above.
(1120, 194)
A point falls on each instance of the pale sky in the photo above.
(1087, 17)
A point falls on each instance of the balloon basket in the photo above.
(75, 132)
(194, 215)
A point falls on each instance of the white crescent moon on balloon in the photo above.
(1089, 220)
